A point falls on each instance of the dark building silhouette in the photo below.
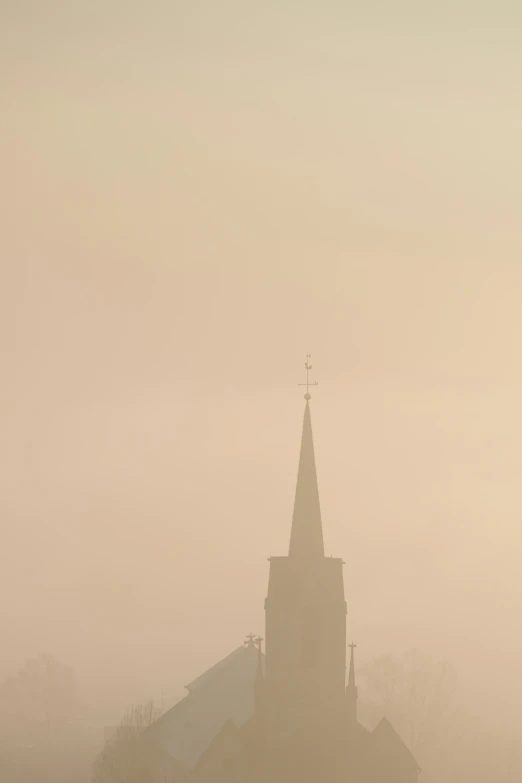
(302, 723)
(305, 612)
(224, 692)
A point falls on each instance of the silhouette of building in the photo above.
(224, 692)
(289, 715)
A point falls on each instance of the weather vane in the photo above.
(308, 383)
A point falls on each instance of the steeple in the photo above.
(351, 690)
(306, 538)
(305, 632)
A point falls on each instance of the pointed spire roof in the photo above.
(306, 538)
(351, 690)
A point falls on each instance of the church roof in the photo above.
(386, 739)
(225, 692)
(228, 738)
(221, 666)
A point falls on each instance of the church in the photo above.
(288, 715)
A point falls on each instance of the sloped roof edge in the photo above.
(218, 667)
(386, 730)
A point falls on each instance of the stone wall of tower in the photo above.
(305, 635)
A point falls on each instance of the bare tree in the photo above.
(416, 693)
(39, 702)
(129, 757)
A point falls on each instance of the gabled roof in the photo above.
(225, 692)
(229, 737)
(214, 671)
(386, 739)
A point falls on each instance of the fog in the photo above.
(194, 195)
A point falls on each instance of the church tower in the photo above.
(303, 721)
(305, 610)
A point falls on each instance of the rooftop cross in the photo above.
(250, 640)
(352, 646)
(308, 383)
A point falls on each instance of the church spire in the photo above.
(351, 690)
(306, 538)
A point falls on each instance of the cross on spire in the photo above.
(308, 383)
(250, 640)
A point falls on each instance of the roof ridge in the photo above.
(216, 669)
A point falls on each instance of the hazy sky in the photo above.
(195, 194)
